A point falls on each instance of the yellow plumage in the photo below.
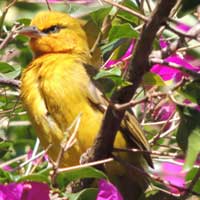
(56, 88)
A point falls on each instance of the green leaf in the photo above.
(25, 56)
(188, 6)
(111, 46)
(190, 176)
(128, 16)
(191, 91)
(21, 39)
(5, 176)
(27, 6)
(34, 177)
(122, 31)
(153, 79)
(188, 134)
(99, 15)
(65, 178)
(193, 148)
(9, 71)
(4, 147)
(86, 194)
(113, 72)
(116, 81)
(5, 67)
(24, 21)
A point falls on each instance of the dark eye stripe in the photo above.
(53, 29)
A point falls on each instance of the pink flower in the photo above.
(124, 59)
(7, 168)
(164, 111)
(183, 27)
(168, 73)
(24, 191)
(107, 191)
(36, 190)
(171, 173)
(12, 191)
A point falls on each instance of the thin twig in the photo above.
(90, 164)
(68, 141)
(148, 5)
(9, 162)
(156, 153)
(5, 10)
(181, 33)
(133, 12)
(12, 34)
(132, 103)
(159, 134)
(146, 98)
(34, 158)
(37, 144)
(48, 5)
(10, 82)
(159, 122)
(188, 48)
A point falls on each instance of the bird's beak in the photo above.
(31, 31)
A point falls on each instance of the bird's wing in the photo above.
(130, 127)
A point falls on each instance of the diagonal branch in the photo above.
(9, 82)
(103, 144)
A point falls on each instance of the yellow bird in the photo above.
(57, 87)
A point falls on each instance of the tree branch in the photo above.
(9, 82)
(103, 144)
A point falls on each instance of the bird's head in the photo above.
(56, 32)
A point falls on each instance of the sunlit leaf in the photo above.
(188, 135)
(24, 21)
(4, 147)
(191, 91)
(9, 71)
(65, 178)
(107, 49)
(86, 194)
(153, 79)
(108, 73)
(122, 31)
(99, 15)
(5, 176)
(128, 16)
(34, 177)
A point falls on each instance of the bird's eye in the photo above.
(52, 29)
